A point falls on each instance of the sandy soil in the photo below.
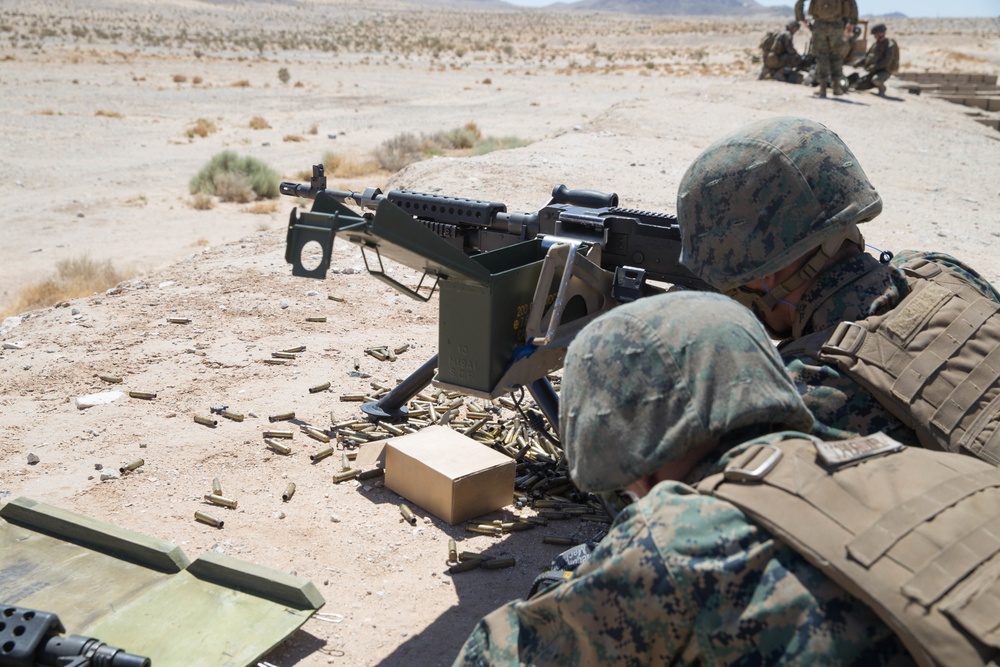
(96, 160)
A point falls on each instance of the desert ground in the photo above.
(99, 109)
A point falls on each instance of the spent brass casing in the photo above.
(465, 566)
(345, 475)
(143, 394)
(288, 435)
(407, 513)
(235, 416)
(110, 379)
(277, 446)
(392, 428)
(135, 463)
(401, 349)
(320, 387)
(516, 526)
(470, 555)
(316, 319)
(452, 551)
(295, 350)
(207, 421)
(553, 539)
(283, 355)
(357, 363)
(211, 521)
(373, 472)
(484, 529)
(289, 492)
(498, 563)
(216, 487)
(356, 398)
(220, 500)
(338, 299)
(283, 417)
(276, 362)
(321, 454)
(179, 320)
(315, 434)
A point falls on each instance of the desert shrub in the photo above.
(403, 149)
(108, 114)
(490, 144)
(293, 137)
(180, 78)
(232, 177)
(262, 207)
(283, 75)
(76, 277)
(314, 129)
(464, 137)
(201, 128)
(258, 123)
(242, 83)
(196, 80)
(202, 202)
(345, 167)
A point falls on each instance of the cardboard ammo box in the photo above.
(448, 474)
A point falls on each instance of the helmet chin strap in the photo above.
(763, 303)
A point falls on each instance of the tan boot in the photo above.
(821, 92)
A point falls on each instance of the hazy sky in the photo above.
(912, 8)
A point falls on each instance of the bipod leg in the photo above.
(548, 401)
(393, 404)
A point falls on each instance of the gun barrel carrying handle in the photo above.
(586, 198)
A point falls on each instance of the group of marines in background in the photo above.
(834, 42)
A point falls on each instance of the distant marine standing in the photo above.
(830, 19)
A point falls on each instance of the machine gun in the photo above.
(515, 288)
(30, 638)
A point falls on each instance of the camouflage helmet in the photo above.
(757, 200)
(651, 381)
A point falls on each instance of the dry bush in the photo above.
(196, 80)
(235, 178)
(108, 114)
(180, 78)
(242, 83)
(258, 123)
(403, 149)
(45, 112)
(298, 84)
(262, 207)
(314, 129)
(200, 243)
(75, 277)
(202, 202)
(201, 128)
(234, 187)
(345, 167)
(293, 137)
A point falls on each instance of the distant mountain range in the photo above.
(680, 7)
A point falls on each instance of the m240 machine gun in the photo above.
(515, 288)
(30, 638)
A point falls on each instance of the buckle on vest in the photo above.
(739, 470)
(846, 339)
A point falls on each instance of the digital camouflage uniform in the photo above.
(772, 192)
(828, 40)
(781, 55)
(881, 61)
(681, 578)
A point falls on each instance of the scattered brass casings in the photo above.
(220, 500)
(135, 463)
(357, 363)
(484, 529)
(338, 299)
(407, 513)
(392, 428)
(355, 398)
(211, 521)
(319, 388)
(277, 446)
(235, 416)
(207, 421)
(283, 417)
(470, 555)
(553, 539)
(452, 551)
(283, 355)
(401, 349)
(373, 472)
(276, 362)
(321, 454)
(279, 434)
(315, 434)
(179, 320)
(316, 319)
(498, 563)
(216, 487)
(110, 379)
(345, 475)
(295, 350)
(516, 526)
(143, 394)
(289, 492)
(465, 566)
(377, 352)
